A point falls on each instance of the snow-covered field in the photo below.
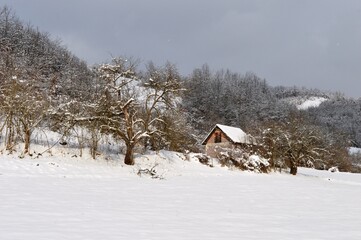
(64, 197)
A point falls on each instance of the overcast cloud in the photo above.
(311, 43)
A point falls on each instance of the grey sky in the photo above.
(311, 43)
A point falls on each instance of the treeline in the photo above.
(43, 85)
(230, 98)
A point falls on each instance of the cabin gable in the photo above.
(217, 136)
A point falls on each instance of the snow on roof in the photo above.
(236, 135)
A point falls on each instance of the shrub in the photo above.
(243, 160)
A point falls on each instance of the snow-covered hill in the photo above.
(67, 197)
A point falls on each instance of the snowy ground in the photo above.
(312, 102)
(354, 150)
(74, 198)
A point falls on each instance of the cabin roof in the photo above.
(236, 135)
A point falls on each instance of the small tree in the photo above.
(31, 111)
(178, 135)
(22, 104)
(161, 101)
(270, 139)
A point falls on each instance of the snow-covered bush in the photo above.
(256, 163)
(243, 160)
(204, 159)
(333, 169)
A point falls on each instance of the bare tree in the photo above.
(125, 109)
(295, 143)
(24, 107)
(162, 96)
(33, 68)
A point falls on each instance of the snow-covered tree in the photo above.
(125, 109)
(294, 142)
(162, 98)
(22, 105)
(34, 70)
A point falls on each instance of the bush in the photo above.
(243, 160)
(204, 159)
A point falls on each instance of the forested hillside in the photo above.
(247, 101)
(27, 53)
(43, 85)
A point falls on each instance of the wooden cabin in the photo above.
(223, 136)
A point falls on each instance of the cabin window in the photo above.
(217, 138)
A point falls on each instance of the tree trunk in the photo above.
(10, 138)
(27, 134)
(128, 159)
(293, 168)
(94, 144)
